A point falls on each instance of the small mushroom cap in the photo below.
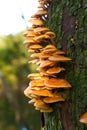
(41, 29)
(31, 34)
(35, 93)
(57, 83)
(49, 51)
(51, 34)
(25, 33)
(39, 13)
(35, 46)
(59, 58)
(44, 56)
(37, 87)
(34, 76)
(55, 70)
(35, 55)
(53, 99)
(50, 47)
(58, 52)
(28, 93)
(41, 37)
(45, 63)
(37, 22)
(29, 41)
(37, 82)
(40, 105)
(83, 118)
(42, 93)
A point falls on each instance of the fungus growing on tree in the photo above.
(44, 86)
(83, 118)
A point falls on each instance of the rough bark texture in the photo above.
(68, 19)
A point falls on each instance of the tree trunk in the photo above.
(68, 19)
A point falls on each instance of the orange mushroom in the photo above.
(41, 37)
(55, 70)
(51, 34)
(35, 47)
(29, 41)
(43, 107)
(41, 29)
(53, 99)
(83, 118)
(43, 93)
(35, 55)
(59, 58)
(57, 83)
(39, 13)
(37, 82)
(37, 22)
(35, 76)
(45, 63)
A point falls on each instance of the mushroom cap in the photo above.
(49, 49)
(43, 107)
(44, 56)
(35, 46)
(49, 46)
(31, 93)
(40, 29)
(57, 83)
(83, 118)
(37, 87)
(42, 93)
(58, 52)
(59, 58)
(53, 99)
(41, 37)
(37, 22)
(35, 55)
(28, 93)
(51, 34)
(29, 41)
(36, 82)
(25, 33)
(34, 76)
(55, 70)
(31, 34)
(45, 63)
(39, 13)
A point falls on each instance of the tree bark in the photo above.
(68, 19)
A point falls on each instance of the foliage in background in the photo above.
(15, 112)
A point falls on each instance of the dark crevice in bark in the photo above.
(65, 116)
(68, 27)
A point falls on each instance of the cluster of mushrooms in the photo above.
(45, 83)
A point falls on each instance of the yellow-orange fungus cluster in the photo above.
(44, 85)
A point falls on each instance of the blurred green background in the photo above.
(15, 112)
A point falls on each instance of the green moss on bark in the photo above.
(76, 70)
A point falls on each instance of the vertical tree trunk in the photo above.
(68, 19)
